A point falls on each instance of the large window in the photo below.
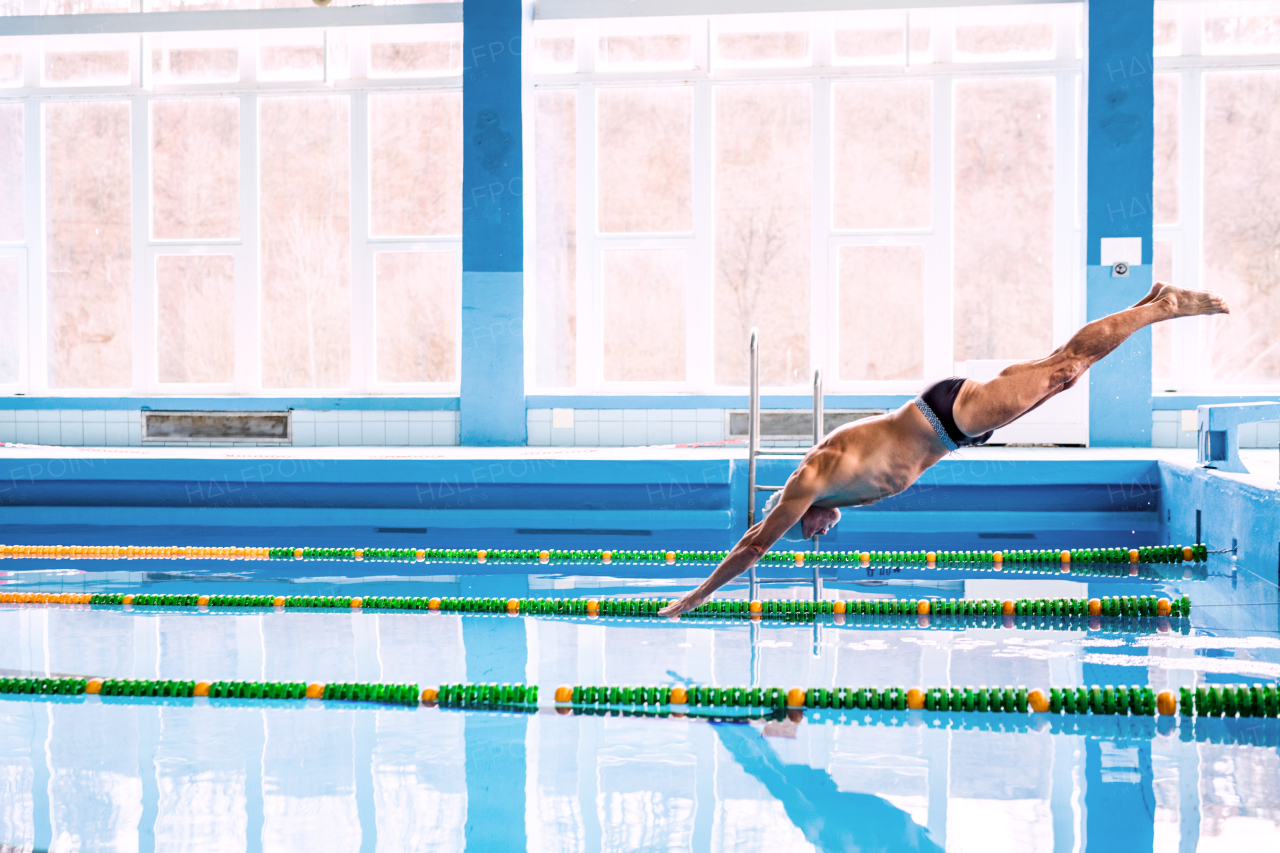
(885, 195)
(231, 211)
(1217, 191)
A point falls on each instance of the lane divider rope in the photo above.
(1016, 559)
(1215, 701)
(1123, 606)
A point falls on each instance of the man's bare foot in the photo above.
(1189, 303)
(1152, 294)
(818, 520)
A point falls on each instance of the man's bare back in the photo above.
(874, 458)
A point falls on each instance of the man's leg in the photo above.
(983, 406)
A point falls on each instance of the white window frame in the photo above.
(1068, 286)
(139, 93)
(1190, 347)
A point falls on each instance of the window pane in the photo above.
(291, 55)
(1251, 27)
(1167, 111)
(1241, 219)
(1167, 35)
(418, 316)
(306, 242)
(11, 61)
(415, 155)
(646, 159)
(195, 333)
(81, 7)
(779, 47)
(415, 51)
(89, 255)
(555, 157)
(195, 58)
(763, 176)
(879, 38)
(555, 53)
(1003, 33)
(1003, 218)
(195, 168)
(1162, 333)
(9, 284)
(625, 51)
(883, 141)
(86, 61)
(881, 312)
(644, 316)
(12, 180)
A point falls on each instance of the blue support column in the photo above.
(492, 226)
(1120, 104)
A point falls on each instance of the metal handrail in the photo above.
(754, 452)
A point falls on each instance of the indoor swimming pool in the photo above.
(716, 772)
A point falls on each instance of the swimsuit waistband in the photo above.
(936, 423)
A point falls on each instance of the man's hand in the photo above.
(688, 601)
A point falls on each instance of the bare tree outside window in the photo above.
(90, 263)
(645, 159)
(306, 241)
(556, 161)
(11, 50)
(9, 319)
(417, 316)
(1165, 193)
(12, 173)
(882, 154)
(644, 316)
(881, 312)
(1242, 224)
(415, 164)
(194, 321)
(195, 168)
(1004, 146)
(763, 213)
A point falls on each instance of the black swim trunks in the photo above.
(936, 403)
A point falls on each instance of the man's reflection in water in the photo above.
(830, 819)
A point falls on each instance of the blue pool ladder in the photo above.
(754, 451)
(1217, 440)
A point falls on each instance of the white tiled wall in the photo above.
(375, 428)
(121, 428)
(626, 427)
(1167, 431)
(72, 427)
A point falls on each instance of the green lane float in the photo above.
(44, 686)
(1033, 560)
(1251, 700)
(1121, 613)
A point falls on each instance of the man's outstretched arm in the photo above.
(796, 499)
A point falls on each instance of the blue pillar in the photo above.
(1120, 110)
(492, 226)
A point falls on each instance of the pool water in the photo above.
(117, 773)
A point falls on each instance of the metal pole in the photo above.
(818, 430)
(817, 438)
(753, 445)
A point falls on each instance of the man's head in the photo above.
(816, 520)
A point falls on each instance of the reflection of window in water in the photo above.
(1120, 763)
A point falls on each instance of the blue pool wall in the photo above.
(694, 500)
